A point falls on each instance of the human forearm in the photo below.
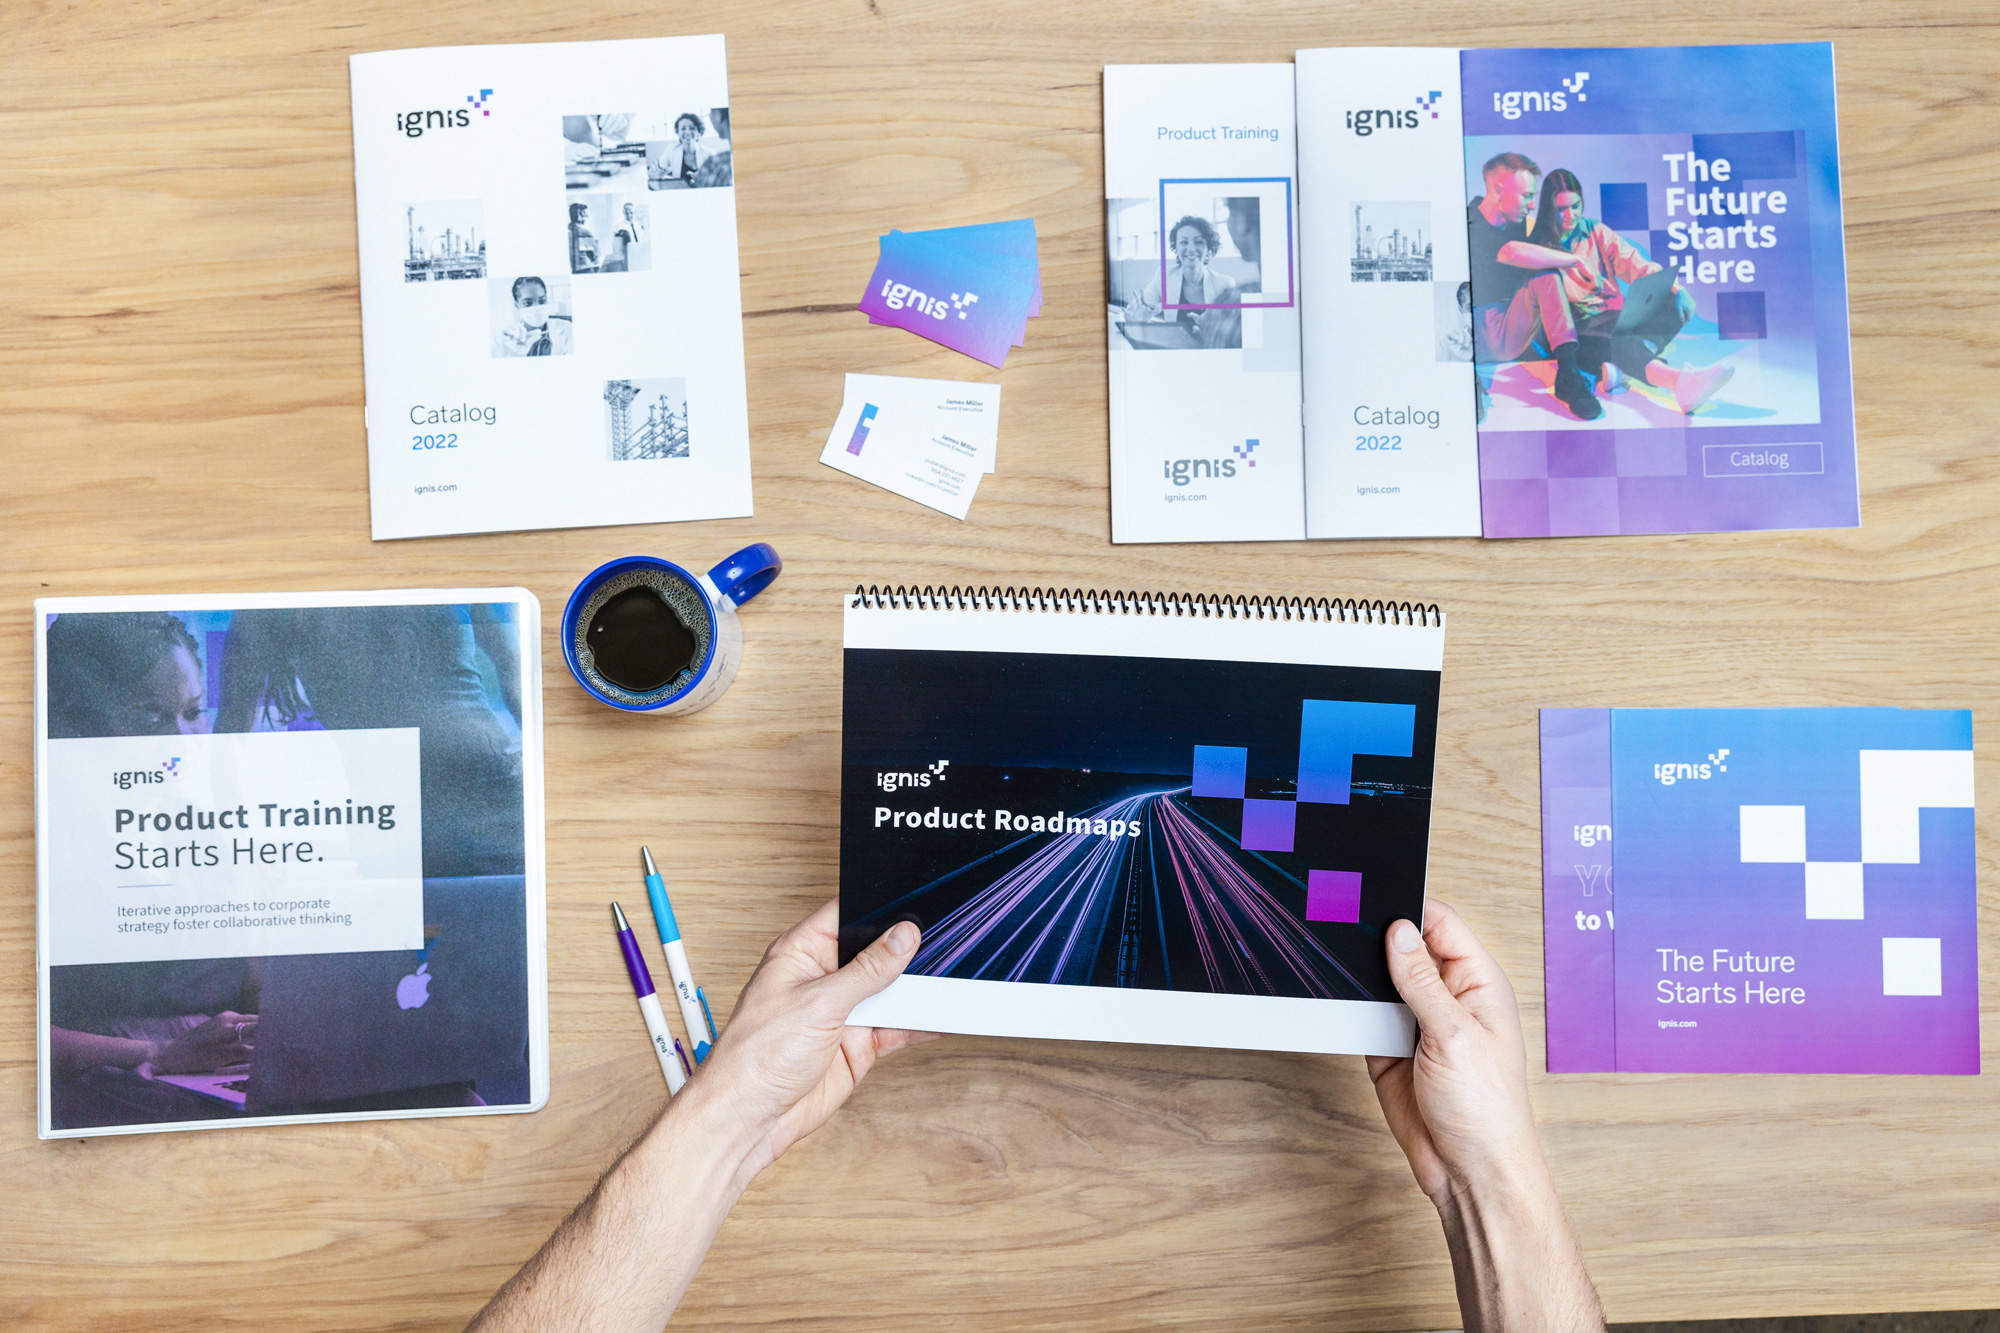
(1522, 254)
(70, 1051)
(624, 1258)
(1515, 1260)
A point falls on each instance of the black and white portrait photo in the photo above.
(693, 154)
(609, 233)
(1451, 307)
(1392, 242)
(531, 316)
(646, 419)
(445, 240)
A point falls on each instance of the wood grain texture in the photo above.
(182, 412)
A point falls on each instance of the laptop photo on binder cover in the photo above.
(1139, 817)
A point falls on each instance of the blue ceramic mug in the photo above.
(704, 604)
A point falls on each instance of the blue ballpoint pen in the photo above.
(694, 1005)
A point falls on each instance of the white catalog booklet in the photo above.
(552, 321)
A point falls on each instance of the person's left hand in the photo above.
(1684, 302)
(789, 1059)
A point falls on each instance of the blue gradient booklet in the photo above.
(1139, 817)
(1795, 890)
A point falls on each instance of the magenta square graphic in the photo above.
(1268, 825)
(1333, 895)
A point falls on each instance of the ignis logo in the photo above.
(1589, 835)
(414, 123)
(1181, 471)
(1365, 123)
(896, 295)
(173, 766)
(143, 777)
(1669, 774)
(1514, 105)
(932, 773)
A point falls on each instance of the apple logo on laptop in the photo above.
(413, 990)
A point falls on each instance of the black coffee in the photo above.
(638, 642)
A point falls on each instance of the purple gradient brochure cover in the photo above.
(1715, 397)
(1796, 890)
(1117, 827)
(956, 298)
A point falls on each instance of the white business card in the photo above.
(926, 440)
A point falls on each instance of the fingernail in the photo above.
(902, 938)
(1405, 937)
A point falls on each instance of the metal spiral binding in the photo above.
(1106, 602)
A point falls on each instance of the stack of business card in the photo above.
(927, 440)
(972, 289)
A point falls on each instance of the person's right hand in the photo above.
(1459, 1106)
(224, 1040)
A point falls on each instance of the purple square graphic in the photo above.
(1514, 457)
(1583, 454)
(1652, 453)
(1219, 770)
(1333, 895)
(1583, 506)
(1267, 825)
(1739, 316)
(1514, 508)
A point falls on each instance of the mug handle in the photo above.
(747, 573)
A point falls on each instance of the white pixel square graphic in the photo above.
(1895, 784)
(1833, 891)
(1912, 966)
(1773, 833)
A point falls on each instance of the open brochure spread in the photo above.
(552, 324)
(1431, 292)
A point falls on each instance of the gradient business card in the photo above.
(956, 298)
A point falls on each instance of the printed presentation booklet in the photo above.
(1782, 890)
(1525, 293)
(552, 322)
(289, 858)
(1139, 817)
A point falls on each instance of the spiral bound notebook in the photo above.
(1145, 817)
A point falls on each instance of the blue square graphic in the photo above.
(1624, 206)
(1268, 826)
(1739, 316)
(1765, 155)
(1332, 732)
(1219, 770)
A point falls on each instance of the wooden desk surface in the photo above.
(182, 410)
